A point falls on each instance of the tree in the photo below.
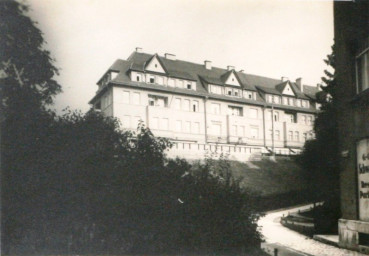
(26, 68)
(27, 84)
(320, 157)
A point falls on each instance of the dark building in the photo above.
(351, 21)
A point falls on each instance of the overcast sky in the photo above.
(268, 38)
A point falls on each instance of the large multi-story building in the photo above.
(351, 27)
(204, 108)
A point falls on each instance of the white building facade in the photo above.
(204, 109)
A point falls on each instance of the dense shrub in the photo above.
(89, 187)
(76, 183)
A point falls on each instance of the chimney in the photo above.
(207, 64)
(284, 78)
(299, 84)
(170, 56)
(138, 49)
(319, 87)
(230, 68)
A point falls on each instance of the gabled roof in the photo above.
(159, 59)
(280, 87)
(203, 77)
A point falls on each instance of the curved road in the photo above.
(274, 232)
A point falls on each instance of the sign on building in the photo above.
(363, 178)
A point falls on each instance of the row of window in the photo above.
(289, 101)
(162, 80)
(179, 125)
(193, 105)
(295, 136)
(240, 131)
(130, 121)
(230, 91)
(216, 128)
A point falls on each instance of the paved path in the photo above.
(274, 232)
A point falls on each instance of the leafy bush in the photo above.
(92, 188)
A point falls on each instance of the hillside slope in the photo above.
(269, 177)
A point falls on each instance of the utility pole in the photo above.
(272, 130)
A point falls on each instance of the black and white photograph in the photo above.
(184, 127)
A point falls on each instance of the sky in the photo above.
(271, 38)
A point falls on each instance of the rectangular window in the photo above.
(242, 131)
(125, 97)
(215, 89)
(298, 103)
(290, 101)
(152, 80)
(164, 124)
(178, 126)
(155, 123)
(186, 105)
(138, 78)
(216, 128)
(189, 86)
(171, 82)
(187, 126)
(270, 98)
(290, 136)
(195, 106)
(180, 83)
(303, 118)
(126, 121)
(196, 127)
(290, 118)
(234, 130)
(254, 132)
(248, 95)
(277, 135)
(136, 98)
(177, 103)
(158, 101)
(253, 112)
(160, 80)
(297, 136)
(276, 116)
(215, 108)
(270, 134)
(310, 120)
(285, 101)
(276, 99)
(235, 111)
(362, 65)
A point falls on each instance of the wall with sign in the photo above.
(362, 150)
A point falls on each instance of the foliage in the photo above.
(77, 183)
(97, 189)
(26, 69)
(320, 157)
